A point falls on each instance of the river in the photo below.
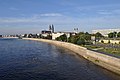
(32, 60)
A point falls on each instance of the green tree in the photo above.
(112, 35)
(98, 35)
(80, 38)
(35, 36)
(87, 33)
(62, 38)
(58, 39)
(85, 36)
(30, 35)
(81, 41)
(80, 33)
(118, 35)
(73, 39)
(25, 35)
(115, 34)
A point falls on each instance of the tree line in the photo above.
(80, 38)
(114, 35)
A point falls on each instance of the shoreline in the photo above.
(108, 62)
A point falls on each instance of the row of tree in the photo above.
(114, 35)
(80, 38)
(110, 35)
(85, 38)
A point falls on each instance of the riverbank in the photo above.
(107, 62)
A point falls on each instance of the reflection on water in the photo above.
(31, 60)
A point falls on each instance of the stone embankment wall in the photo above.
(108, 62)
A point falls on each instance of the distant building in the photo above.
(58, 34)
(76, 30)
(105, 32)
(51, 28)
(54, 35)
(45, 33)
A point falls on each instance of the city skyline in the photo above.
(32, 16)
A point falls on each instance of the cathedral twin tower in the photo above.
(51, 28)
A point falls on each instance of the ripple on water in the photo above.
(31, 60)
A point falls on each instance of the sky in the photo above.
(32, 16)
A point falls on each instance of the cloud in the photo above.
(14, 20)
(105, 9)
(104, 12)
(109, 12)
(51, 14)
(62, 23)
(36, 18)
(61, 20)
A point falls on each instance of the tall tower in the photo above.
(76, 30)
(52, 28)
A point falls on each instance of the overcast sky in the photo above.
(32, 16)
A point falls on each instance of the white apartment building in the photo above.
(58, 34)
(105, 32)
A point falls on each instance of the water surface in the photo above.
(32, 60)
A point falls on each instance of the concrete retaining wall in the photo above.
(108, 62)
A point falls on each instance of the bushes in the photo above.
(62, 38)
(73, 39)
(81, 41)
(80, 38)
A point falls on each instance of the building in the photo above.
(51, 28)
(54, 35)
(45, 33)
(58, 34)
(105, 32)
(76, 30)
